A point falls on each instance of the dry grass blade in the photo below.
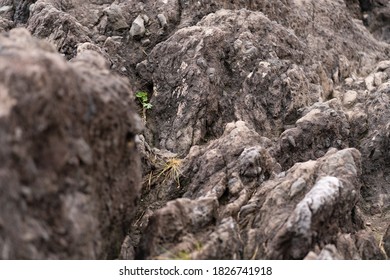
(166, 170)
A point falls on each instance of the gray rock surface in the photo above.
(266, 129)
(67, 140)
(137, 27)
(376, 16)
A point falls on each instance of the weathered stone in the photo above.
(298, 225)
(162, 19)
(377, 15)
(323, 125)
(58, 27)
(138, 27)
(57, 121)
(349, 98)
(115, 18)
(261, 114)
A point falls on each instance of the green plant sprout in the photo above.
(144, 100)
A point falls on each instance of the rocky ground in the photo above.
(183, 129)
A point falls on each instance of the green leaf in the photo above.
(141, 94)
(148, 106)
(143, 99)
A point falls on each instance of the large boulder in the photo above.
(241, 65)
(207, 75)
(69, 170)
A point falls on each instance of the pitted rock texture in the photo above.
(240, 65)
(218, 180)
(322, 125)
(266, 129)
(224, 74)
(308, 93)
(306, 209)
(69, 170)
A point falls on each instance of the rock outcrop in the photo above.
(290, 87)
(266, 129)
(234, 188)
(69, 170)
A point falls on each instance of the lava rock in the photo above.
(69, 177)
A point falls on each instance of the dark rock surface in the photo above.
(376, 15)
(267, 130)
